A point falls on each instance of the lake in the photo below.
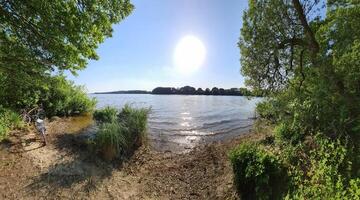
(180, 122)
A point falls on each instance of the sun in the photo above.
(189, 54)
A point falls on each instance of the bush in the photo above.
(258, 173)
(120, 133)
(63, 98)
(106, 115)
(8, 120)
(266, 110)
(285, 133)
(57, 95)
(327, 173)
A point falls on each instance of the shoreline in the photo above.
(63, 169)
(226, 95)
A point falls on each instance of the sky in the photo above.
(140, 54)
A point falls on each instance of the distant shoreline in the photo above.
(175, 94)
(188, 90)
(125, 92)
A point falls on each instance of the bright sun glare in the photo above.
(189, 54)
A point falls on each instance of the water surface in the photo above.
(179, 122)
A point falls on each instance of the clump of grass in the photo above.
(120, 133)
(111, 139)
(135, 119)
(106, 115)
(8, 120)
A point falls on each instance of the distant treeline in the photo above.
(126, 92)
(188, 90)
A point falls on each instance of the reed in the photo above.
(120, 133)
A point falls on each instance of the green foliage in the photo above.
(313, 73)
(8, 120)
(308, 64)
(106, 115)
(258, 173)
(21, 91)
(40, 39)
(121, 131)
(354, 189)
(40, 35)
(267, 110)
(327, 174)
(63, 98)
(246, 92)
(286, 133)
(57, 95)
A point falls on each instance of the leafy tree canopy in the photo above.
(307, 52)
(39, 39)
(280, 39)
(36, 35)
(305, 55)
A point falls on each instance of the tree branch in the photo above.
(302, 68)
(292, 41)
(314, 45)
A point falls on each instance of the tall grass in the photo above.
(106, 115)
(120, 133)
(8, 120)
(135, 119)
(111, 139)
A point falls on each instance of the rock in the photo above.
(32, 146)
(54, 118)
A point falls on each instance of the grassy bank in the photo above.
(273, 168)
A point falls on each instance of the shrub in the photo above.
(120, 133)
(258, 173)
(288, 134)
(63, 98)
(8, 120)
(327, 174)
(57, 95)
(266, 110)
(106, 115)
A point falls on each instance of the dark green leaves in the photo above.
(56, 34)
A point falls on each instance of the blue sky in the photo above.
(140, 53)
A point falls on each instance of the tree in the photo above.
(41, 38)
(308, 63)
(215, 91)
(276, 38)
(47, 35)
(289, 48)
(245, 92)
(207, 91)
(199, 91)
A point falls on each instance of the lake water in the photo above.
(180, 122)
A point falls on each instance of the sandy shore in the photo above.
(65, 170)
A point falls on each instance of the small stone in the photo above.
(54, 118)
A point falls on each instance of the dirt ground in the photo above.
(66, 170)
